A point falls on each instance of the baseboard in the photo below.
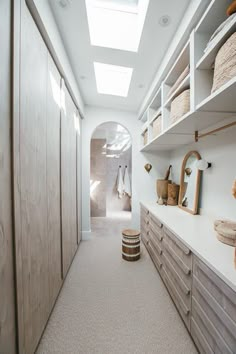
(86, 235)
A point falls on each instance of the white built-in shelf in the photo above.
(208, 58)
(206, 109)
(185, 84)
(222, 100)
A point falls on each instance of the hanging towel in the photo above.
(120, 184)
(127, 184)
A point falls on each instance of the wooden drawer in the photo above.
(155, 255)
(182, 251)
(177, 297)
(213, 309)
(156, 222)
(181, 268)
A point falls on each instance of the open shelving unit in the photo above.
(206, 109)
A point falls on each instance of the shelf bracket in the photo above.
(199, 136)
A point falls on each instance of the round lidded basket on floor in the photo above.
(130, 245)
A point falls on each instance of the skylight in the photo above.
(112, 79)
(116, 24)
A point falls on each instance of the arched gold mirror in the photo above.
(190, 183)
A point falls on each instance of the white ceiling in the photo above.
(73, 27)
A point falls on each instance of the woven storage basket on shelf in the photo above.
(225, 63)
(180, 106)
(145, 137)
(156, 126)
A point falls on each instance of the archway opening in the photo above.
(111, 171)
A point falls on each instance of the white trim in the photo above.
(86, 235)
(131, 255)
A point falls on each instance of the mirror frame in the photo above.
(197, 188)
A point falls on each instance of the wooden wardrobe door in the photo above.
(78, 166)
(7, 304)
(33, 182)
(68, 180)
(53, 180)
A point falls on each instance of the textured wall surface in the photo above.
(98, 178)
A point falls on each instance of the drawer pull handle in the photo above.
(178, 260)
(176, 276)
(177, 242)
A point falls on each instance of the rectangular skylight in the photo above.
(112, 79)
(116, 24)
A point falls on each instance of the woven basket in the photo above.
(157, 126)
(180, 106)
(145, 137)
(225, 63)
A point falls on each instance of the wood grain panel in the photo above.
(68, 181)
(33, 181)
(78, 173)
(53, 180)
(7, 305)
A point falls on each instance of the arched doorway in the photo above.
(111, 171)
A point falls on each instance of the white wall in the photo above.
(44, 18)
(143, 184)
(216, 198)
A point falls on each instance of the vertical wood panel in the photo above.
(78, 173)
(68, 181)
(33, 178)
(7, 305)
(53, 180)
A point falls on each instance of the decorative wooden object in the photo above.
(168, 173)
(184, 185)
(148, 167)
(226, 233)
(173, 194)
(231, 9)
(162, 190)
(234, 189)
(130, 245)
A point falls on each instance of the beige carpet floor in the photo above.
(109, 306)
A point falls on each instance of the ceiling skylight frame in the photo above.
(116, 26)
(112, 79)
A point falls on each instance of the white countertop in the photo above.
(197, 232)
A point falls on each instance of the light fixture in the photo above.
(112, 79)
(164, 21)
(203, 165)
(64, 3)
(116, 24)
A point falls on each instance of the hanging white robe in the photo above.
(127, 183)
(120, 184)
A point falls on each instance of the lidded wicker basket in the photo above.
(157, 126)
(225, 63)
(180, 106)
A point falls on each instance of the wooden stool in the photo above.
(130, 245)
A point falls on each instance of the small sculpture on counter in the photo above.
(162, 188)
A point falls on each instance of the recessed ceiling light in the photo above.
(140, 86)
(64, 3)
(82, 77)
(112, 79)
(164, 21)
(116, 24)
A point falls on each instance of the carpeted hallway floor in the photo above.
(109, 306)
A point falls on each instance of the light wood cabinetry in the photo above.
(205, 302)
(46, 154)
(7, 291)
(68, 181)
(213, 321)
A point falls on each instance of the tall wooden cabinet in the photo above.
(7, 301)
(39, 181)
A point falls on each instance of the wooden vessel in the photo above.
(130, 245)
